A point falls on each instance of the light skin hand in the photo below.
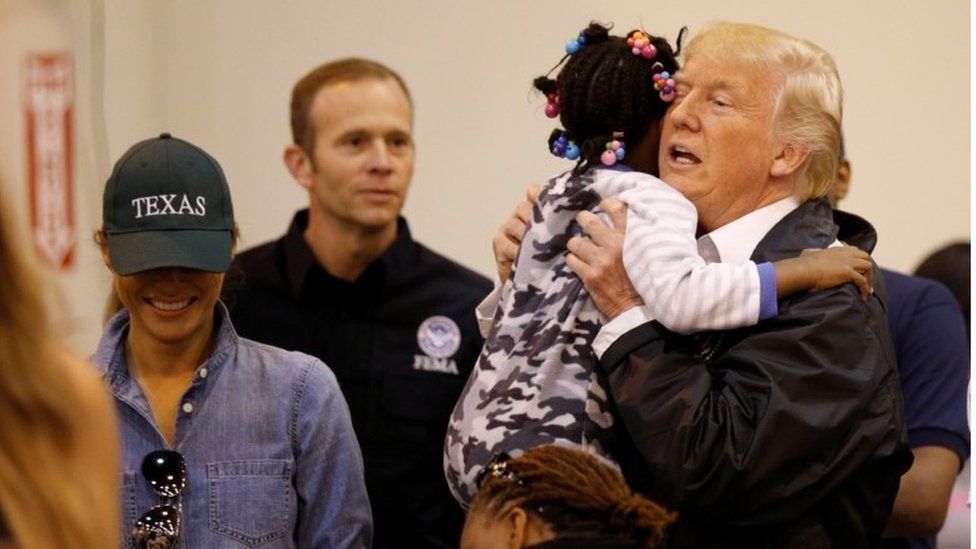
(508, 237)
(599, 261)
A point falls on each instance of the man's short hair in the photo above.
(809, 105)
(340, 70)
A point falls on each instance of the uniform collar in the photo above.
(109, 357)
(300, 261)
(299, 258)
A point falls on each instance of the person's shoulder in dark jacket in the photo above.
(460, 278)
(259, 265)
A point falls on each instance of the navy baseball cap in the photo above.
(167, 204)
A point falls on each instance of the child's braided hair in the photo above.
(604, 88)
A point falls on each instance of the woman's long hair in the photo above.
(46, 425)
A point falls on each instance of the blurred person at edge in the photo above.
(226, 442)
(348, 284)
(950, 265)
(929, 334)
(58, 442)
(789, 433)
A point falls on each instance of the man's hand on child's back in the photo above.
(599, 260)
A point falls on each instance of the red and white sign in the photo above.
(48, 104)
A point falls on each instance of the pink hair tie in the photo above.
(640, 44)
(614, 151)
(552, 105)
(664, 84)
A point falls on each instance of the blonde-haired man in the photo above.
(789, 433)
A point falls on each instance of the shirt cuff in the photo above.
(934, 436)
(768, 307)
(625, 322)
(485, 311)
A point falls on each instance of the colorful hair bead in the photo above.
(559, 146)
(576, 43)
(664, 84)
(564, 147)
(552, 105)
(615, 151)
(572, 151)
(640, 44)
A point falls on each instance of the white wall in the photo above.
(30, 26)
(227, 68)
(219, 73)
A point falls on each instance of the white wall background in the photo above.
(219, 74)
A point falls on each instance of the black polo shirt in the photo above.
(401, 340)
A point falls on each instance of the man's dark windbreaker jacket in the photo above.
(789, 433)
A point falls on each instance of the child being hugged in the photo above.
(537, 381)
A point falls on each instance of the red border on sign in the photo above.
(49, 115)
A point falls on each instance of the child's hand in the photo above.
(839, 265)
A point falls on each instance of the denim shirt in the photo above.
(271, 456)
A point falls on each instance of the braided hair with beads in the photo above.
(606, 87)
(575, 494)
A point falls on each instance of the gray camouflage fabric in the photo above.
(536, 379)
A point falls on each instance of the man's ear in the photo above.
(788, 160)
(843, 181)
(299, 165)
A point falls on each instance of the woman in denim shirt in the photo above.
(226, 442)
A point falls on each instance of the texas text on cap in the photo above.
(167, 204)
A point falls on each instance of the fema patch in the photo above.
(439, 337)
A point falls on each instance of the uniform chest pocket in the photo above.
(250, 500)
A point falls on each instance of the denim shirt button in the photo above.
(188, 407)
(202, 373)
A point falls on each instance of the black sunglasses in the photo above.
(159, 527)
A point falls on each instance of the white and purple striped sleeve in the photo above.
(681, 290)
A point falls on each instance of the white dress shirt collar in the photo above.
(736, 241)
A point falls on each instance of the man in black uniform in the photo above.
(347, 284)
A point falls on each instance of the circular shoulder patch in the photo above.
(439, 337)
